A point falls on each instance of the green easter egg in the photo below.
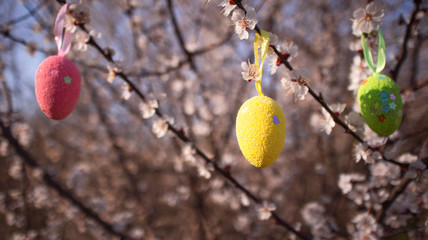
(380, 103)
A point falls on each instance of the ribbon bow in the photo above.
(260, 41)
(62, 36)
(381, 59)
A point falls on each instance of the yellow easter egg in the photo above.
(260, 129)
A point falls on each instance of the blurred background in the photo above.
(109, 158)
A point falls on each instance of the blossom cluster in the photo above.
(322, 226)
(295, 81)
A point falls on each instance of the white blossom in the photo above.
(346, 181)
(204, 170)
(160, 127)
(95, 34)
(244, 22)
(382, 173)
(24, 133)
(137, 233)
(250, 71)
(373, 139)
(40, 196)
(320, 168)
(365, 223)
(148, 109)
(15, 170)
(359, 194)
(367, 20)
(287, 49)
(4, 148)
(327, 123)
(189, 153)
(359, 72)
(79, 14)
(241, 222)
(245, 201)
(201, 128)
(322, 230)
(228, 160)
(364, 236)
(379, 170)
(355, 122)
(264, 212)
(295, 82)
(69, 24)
(362, 151)
(273, 40)
(18, 236)
(407, 158)
(126, 91)
(397, 220)
(385, 169)
(228, 7)
(313, 214)
(81, 38)
(111, 74)
(113, 69)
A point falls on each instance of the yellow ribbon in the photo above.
(262, 42)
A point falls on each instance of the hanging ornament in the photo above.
(260, 123)
(378, 96)
(57, 81)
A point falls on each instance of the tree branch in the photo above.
(403, 52)
(6, 33)
(51, 182)
(29, 14)
(180, 36)
(398, 190)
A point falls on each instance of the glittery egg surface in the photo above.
(260, 129)
(57, 86)
(380, 103)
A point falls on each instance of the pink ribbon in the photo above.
(62, 36)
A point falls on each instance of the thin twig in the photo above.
(396, 192)
(24, 192)
(181, 63)
(180, 35)
(6, 33)
(51, 182)
(416, 87)
(403, 51)
(399, 189)
(24, 17)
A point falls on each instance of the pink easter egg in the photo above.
(57, 86)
